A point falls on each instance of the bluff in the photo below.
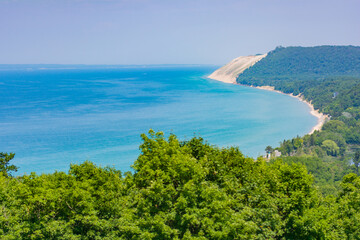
(231, 71)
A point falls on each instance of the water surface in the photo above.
(53, 115)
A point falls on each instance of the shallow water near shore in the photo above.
(54, 115)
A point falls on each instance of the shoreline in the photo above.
(322, 118)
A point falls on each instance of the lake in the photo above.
(54, 115)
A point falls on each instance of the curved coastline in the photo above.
(322, 118)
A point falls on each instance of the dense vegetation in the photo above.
(179, 190)
(329, 77)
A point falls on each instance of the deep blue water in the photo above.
(51, 116)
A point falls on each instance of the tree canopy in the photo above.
(178, 190)
(5, 166)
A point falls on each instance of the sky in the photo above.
(168, 31)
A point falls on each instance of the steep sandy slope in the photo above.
(230, 71)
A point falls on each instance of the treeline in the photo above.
(306, 63)
(179, 190)
(329, 77)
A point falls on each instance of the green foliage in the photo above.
(5, 166)
(327, 75)
(327, 172)
(356, 159)
(306, 63)
(179, 190)
(330, 147)
(269, 149)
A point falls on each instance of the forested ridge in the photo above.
(194, 190)
(329, 77)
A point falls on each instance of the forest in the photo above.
(194, 190)
(178, 190)
(329, 77)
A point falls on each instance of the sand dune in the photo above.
(231, 71)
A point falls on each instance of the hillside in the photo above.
(319, 73)
(306, 62)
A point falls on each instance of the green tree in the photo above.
(297, 142)
(182, 190)
(269, 149)
(5, 166)
(330, 147)
(356, 159)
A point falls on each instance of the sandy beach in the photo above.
(322, 118)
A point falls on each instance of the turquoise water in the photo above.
(51, 116)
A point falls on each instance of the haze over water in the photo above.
(53, 115)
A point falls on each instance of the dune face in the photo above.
(231, 71)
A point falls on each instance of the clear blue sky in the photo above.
(168, 31)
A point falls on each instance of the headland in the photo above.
(229, 73)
